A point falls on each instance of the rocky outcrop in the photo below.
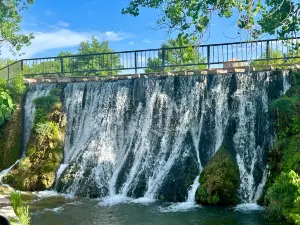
(37, 171)
(219, 180)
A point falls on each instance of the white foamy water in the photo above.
(248, 207)
(51, 194)
(55, 210)
(5, 172)
(179, 207)
(114, 200)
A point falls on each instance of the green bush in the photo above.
(6, 107)
(46, 102)
(21, 211)
(283, 196)
(16, 199)
(55, 92)
(24, 215)
(17, 86)
(219, 180)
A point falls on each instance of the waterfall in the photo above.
(150, 137)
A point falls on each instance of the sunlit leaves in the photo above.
(10, 19)
(6, 107)
(192, 17)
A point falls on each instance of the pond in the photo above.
(69, 211)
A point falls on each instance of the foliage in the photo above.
(37, 170)
(284, 195)
(273, 54)
(4, 62)
(6, 107)
(176, 57)
(219, 180)
(17, 86)
(283, 185)
(21, 211)
(11, 139)
(192, 18)
(286, 112)
(46, 102)
(10, 19)
(107, 64)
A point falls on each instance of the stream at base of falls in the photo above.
(61, 211)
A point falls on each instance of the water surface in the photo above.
(59, 211)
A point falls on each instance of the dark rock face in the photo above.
(151, 137)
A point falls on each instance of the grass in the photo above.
(21, 211)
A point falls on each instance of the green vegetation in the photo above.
(44, 154)
(192, 18)
(176, 57)
(108, 64)
(10, 19)
(11, 96)
(282, 191)
(219, 180)
(21, 211)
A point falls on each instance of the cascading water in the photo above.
(150, 138)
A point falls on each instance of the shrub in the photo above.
(219, 180)
(17, 86)
(46, 102)
(21, 211)
(6, 107)
(283, 196)
(55, 91)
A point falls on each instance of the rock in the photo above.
(219, 180)
(37, 171)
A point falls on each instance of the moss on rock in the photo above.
(11, 139)
(37, 171)
(219, 180)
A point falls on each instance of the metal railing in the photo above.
(157, 60)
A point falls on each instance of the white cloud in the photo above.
(60, 39)
(62, 24)
(147, 41)
(131, 43)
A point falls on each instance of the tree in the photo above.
(104, 64)
(10, 19)
(274, 54)
(83, 62)
(175, 57)
(191, 18)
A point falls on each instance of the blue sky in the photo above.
(62, 24)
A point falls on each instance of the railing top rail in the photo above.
(154, 49)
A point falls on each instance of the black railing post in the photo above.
(22, 66)
(208, 57)
(268, 52)
(135, 62)
(62, 66)
(163, 59)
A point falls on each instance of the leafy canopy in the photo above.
(10, 19)
(106, 64)
(192, 17)
(176, 57)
